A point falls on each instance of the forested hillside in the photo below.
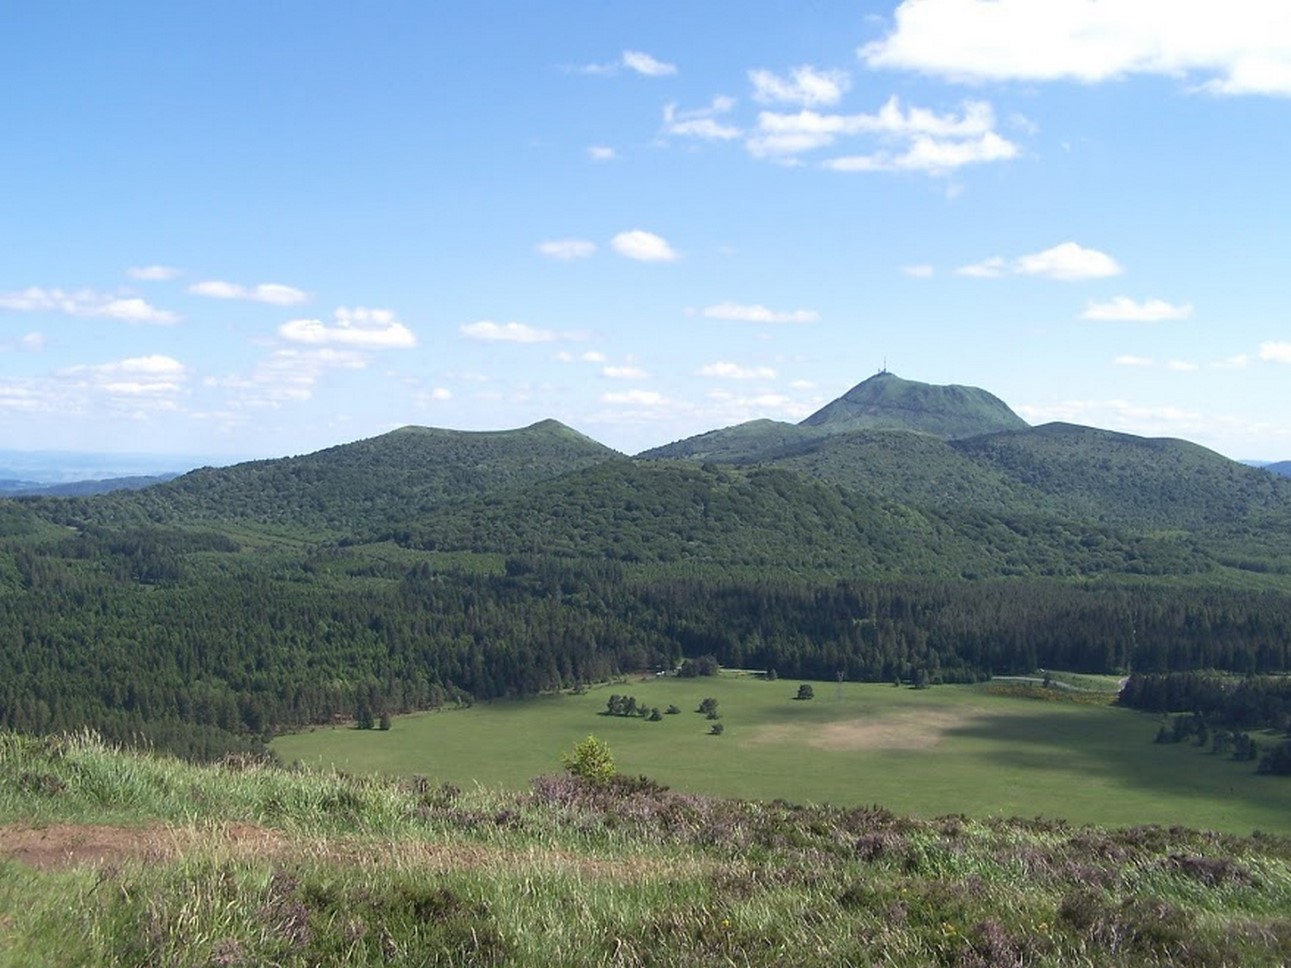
(428, 566)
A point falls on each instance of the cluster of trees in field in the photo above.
(1220, 711)
(189, 642)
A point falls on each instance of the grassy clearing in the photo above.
(950, 749)
(242, 864)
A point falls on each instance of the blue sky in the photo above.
(253, 229)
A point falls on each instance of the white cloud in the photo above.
(288, 376)
(918, 272)
(910, 139)
(1275, 352)
(701, 122)
(930, 155)
(601, 153)
(724, 370)
(757, 313)
(635, 398)
(273, 293)
(567, 248)
(1133, 360)
(643, 246)
(361, 328)
(643, 63)
(152, 273)
(805, 86)
(86, 303)
(1181, 366)
(491, 332)
(624, 372)
(1067, 262)
(592, 356)
(992, 268)
(139, 376)
(1241, 47)
(441, 393)
(1124, 309)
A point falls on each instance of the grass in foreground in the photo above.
(949, 749)
(150, 861)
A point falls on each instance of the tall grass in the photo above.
(250, 864)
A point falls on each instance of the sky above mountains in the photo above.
(253, 229)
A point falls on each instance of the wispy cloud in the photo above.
(624, 372)
(359, 328)
(139, 376)
(1128, 360)
(288, 376)
(643, 63)
(567, 249)
(918, 272)
(273, 293)
(757, 313)
(908, 139)
(601, 153)
(152, 273)
(636, 61)
(701, 123)
(490, 332)
(725, 370)
(643, 246)
(1275, 352)
(635, 398)
(86, 303)
(804, 86)
(1243, 48)
(1067, 262)
(1124, 309)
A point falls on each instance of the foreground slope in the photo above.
(109, 858)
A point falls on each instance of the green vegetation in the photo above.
(887, 402)
(243, 864)
(947, 749)
(429, 568)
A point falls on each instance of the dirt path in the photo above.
(60, 846)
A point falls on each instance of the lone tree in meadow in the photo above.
(805, 692)
(591, 760)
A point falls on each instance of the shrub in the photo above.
(591, 760)
(805, 692)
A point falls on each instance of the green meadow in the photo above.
(945, 750)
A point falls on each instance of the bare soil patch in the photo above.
(906, 730)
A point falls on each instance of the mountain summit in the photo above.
(887, 402)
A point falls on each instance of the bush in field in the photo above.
(805, 692)
(591, 759)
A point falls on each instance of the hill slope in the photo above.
(357, 486)
(1281, 468)
(887, 402)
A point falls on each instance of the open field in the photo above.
(950, 749)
